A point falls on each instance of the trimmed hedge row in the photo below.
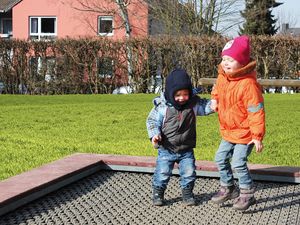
(99, 65)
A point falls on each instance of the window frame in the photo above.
(108, 18)
(39, 33)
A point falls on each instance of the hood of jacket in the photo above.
(178, 79)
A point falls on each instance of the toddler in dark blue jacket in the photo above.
(171, 127)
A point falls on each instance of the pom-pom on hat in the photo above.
(238, 49)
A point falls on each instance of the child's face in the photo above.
(229, 64)
(182, 96)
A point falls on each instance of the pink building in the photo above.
(52, 19)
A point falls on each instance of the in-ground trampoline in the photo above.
(109, 189)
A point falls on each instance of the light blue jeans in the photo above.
(165, 164)
(234, 156)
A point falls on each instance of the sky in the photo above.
(288, 12)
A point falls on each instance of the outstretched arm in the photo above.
(215, 95)
(204, 107)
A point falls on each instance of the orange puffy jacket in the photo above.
(240, 105)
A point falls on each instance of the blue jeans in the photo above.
(238, 154)
(165, 164)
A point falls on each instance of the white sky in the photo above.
(288, 12)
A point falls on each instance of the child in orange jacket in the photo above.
(237, 97)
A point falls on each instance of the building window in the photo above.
(42, 68)
(43, 28)
(105, 67)
(6, 28)
(105, 25)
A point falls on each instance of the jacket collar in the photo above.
(246, 71)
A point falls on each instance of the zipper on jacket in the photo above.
(179, 116)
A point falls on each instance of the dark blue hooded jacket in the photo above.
(174, 122)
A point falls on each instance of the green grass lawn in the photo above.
(39, 129)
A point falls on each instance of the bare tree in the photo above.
(115, 8)
(108, 7)
(197, 17)
(228, 16)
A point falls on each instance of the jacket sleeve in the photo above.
(154, 122)
(203, 107)
(254, 104)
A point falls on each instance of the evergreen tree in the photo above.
(258, 17)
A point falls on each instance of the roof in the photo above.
(6, 5)
(294, 31)
(286, 29)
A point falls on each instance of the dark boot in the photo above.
(224, 194)
(158, 196)
(188, 196)
(245, 200)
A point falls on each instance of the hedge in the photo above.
(99, 65)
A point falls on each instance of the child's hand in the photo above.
(258, 145)
(214, 105)
(155, 140)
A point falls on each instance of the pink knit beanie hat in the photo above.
(238, 49)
